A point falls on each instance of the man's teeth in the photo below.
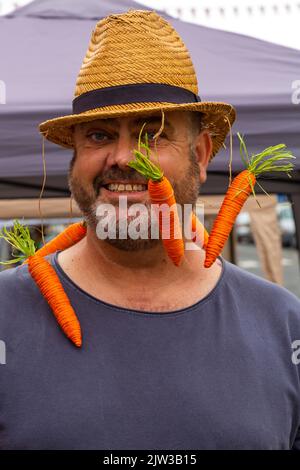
(126, 187)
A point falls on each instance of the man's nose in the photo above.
(122, 151)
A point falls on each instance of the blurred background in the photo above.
(271, 20)
(245, 52)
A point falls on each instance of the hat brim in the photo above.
(217, 118)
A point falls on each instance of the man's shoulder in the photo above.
(17, 290)
(22, 307)
(13, 278)
(18, 278)
(249, 289)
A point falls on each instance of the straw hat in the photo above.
(137, 63)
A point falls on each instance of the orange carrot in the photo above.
(227, 215)
(200, 231)
(46, 279)
(42, 271)
(240, 189)
(50, 286)
(161, 193)
(67, 238)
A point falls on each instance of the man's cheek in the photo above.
(84, 173)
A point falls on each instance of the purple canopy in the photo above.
(43, 45)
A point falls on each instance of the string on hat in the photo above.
(71, 209)
(230, 153)
(159, 132)
(43, 186)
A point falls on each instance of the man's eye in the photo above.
(151, 135)
(98, 136)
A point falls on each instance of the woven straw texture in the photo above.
(138, 47)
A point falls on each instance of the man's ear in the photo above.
(203, 149)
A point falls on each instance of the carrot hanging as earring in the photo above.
(198, 228)
(161, 193)
(46, 278)
(274, 158)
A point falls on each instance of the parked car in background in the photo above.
(243, 229)
(287, 224)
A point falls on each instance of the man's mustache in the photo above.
(116, 175)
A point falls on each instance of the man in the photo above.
(172, 357)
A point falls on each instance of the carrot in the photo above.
(227, 215)
(239, 191)
(50, 286)
(69, 237)
(46, 279)
(198, 228)
(161, 193)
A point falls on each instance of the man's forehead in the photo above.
(134, 120)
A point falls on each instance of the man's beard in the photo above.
(186, 191)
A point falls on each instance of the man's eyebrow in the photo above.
(97, 122)
(136, 122)
(153, 120)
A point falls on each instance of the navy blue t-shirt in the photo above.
(216, 375)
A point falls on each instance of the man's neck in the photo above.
(145, 280)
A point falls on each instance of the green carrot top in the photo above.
(142, 163)
(20, 239)
(268, 159)
(265, 161)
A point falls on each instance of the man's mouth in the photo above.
(125, 187)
